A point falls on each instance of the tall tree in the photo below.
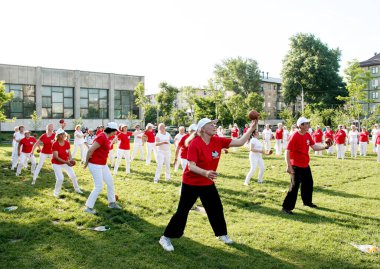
(238, 75)
(165, 99)
(312, 66)
(4, 98)
(140, 98)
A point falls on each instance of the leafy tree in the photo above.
(235, 105)
(165, 99)
(188, 94)
(180, 118)
(140, 99)
(151, 114)
(238, 75)
(36, 121)
(4, 98)
(357, 80)
(287, 116)
(78, 121)
(204, 107)
(310, 65)
(254, 101)
(131, 117)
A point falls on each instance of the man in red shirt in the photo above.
(329, 136)
(278, 137)
(25, 147)
(340, 142)
(124, 149)
(297, 159)
(317, 137)
(363, 141)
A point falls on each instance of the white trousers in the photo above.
(340, 149)
(378, 152)
(163, 157)
(278, 147)
(24, 158)
(100, 173)
(138, 147)
(58, 171)
(363, 148)
(318, 152)
(14, 156)
(374, 143)
(112, 156)
(149, 148)
(127, 156)
(330, 150)
(184, 163)
(234, 148)
(82, 151)
(284, 144)
(255, 160)
(41, 161)
(267, 144)
(354, 148)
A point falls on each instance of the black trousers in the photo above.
(301, 176)
(211, 202)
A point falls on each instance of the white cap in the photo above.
(112, 125)
(123, 125)
(302, 120)
(149, 125)
(60, 131)
(203, 122)
(26, 131)
(193, 127)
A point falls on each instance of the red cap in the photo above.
(61, 121)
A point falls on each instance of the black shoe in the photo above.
(311, 205)
(286, 211)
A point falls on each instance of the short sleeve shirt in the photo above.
(182, 147)
(363, 137)
(48, 143)
(27, 144)
(204, 156)
(100, 155)
(317, 136)
(124, 140)
(150, 135)
(278, 134)
(63, 151)
(340, 137)
(255, 144)
(298, 147)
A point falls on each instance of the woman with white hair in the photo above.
(181, 149)
(78, 142)
(234, 134)
(62, 160)
(267, 136)
(317, 137)
(124, 150)
(89, 140)
(285, 137)
(363, 141)
(17, 138)
(163, 139)
(219, 131)
(138, 144)
(14, 147)
(353, 140)
(177, 138)
(278, 137)
(47, 139)
(150, 143)
(25, 153)
(96, 160)
(329, 136)
(374, 133)
(198, 180)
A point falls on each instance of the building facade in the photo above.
(56, 94)
(373, 89)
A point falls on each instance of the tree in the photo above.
(36, 121)
(287, 116)
(238, 75)
(131, 117)
(4, 98)
(140, 99)
(204, 107)
(310, 65)
(357, 80)
(165, 99)
(151, 114)
(235, 105)
(254, 101)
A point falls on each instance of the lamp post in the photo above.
(302, 102)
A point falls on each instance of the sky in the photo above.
(176, 41)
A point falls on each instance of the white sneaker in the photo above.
(166, 243)
(225, 239)
(114, 206)
(90, 210)
(155, 181)
(79, 191)
(245, 184)
(33, 182)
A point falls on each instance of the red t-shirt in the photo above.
(298, 147)
(181, 145)
(27, 144)
(329, 134)
(378, 139)
(245, 130)
(363, 137)
(279, 133)
(150, 135)
(63, 151)
(206, 157)
(317, 136)
(112, 137)
(340, 137)
(98, 132)
(124, 140)
(100, 155)
(235, 132)
(48, 143)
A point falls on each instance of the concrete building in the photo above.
(373, 89)
(56, 94)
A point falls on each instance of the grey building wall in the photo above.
(41, 76)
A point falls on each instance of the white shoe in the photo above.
(155, 180)
(33, 182)
(259, 181)
(114, 206)
(90, 210)
(55, 194)
(79, 191)
(225, 239)
(166, 243)
(245, 184)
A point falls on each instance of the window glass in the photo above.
(94, 104)
(68, 102)
(22, 104)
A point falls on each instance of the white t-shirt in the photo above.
(353, 136)
(138, 140)
(78, 140)
(255, 144)
(285, 135)
(14, 143)
(19, 136)
(163, 138)
(178, 138)
(267, 134)
(374, 134)
(220, 133)
(90, 139)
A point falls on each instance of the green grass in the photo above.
(43, 232)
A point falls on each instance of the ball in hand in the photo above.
(38, 151)
(72, 163)
(253, 115)
(328, 141)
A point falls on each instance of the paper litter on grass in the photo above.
(366, 248)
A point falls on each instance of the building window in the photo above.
(124, 103)
(375, 83)
(375, 70)
(93, 103)
(57, 102)
(375, 95)
(23, 103)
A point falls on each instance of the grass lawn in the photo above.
(47, 232)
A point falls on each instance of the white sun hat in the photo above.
(203, 122)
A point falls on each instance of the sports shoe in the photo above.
(90, 210)
(79, 191)
(311, 205)
(225, 239)
(114, 206)
(33, 182)
(155, 181)
(166, 243)
(246, 184)
(286, 211)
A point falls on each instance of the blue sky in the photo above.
(179, 41)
